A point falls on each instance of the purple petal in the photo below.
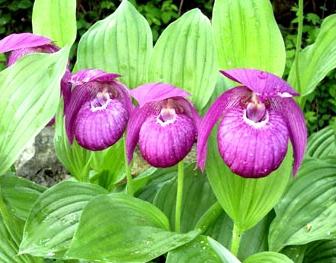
(137, 118)
(252, 149)
(264, 84)
(97, 130)
(296, 125)
(79, 96)
(164, 144)
(88, 75)
(228, 99)
(154, 92)
(23, 40)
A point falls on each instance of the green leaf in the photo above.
(184, 56)
(247, 36)
(19, 194)
(9, 248)
(246, 201)
(253, 240)
(197, 251)
(307, 211)
(30, 92)
(120, 43)
(268, 257)
(316, 60)
(197, 198)
(132, 231)
(322, 144)
(321, 252)
(224, 254)
(55, 19)
(54, 218)
(74, 158)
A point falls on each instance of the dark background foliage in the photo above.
(320, 109)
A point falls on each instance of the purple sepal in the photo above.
(264, 84)
(137, 118)
(88, 75)
(294, 118)
(22, 40)
(155, 92)
(228, 99)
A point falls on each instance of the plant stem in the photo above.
(179, 196)
(235, 241)
(180, 8)
(298, 44)
(129, 178)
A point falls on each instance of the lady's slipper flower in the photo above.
(257, 119)
(164, 125)
(98, 109)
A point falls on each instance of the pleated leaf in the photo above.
(307, 212)
(321, 252)
(131, 230)
(245, 200)
(121, 43)
(322, 144)
(197, 251)
(247, 36)
(30, 92)
(223, 253)
(253, 240)
(184, 56)
(268, 257)
(55, 19)
(316, 60)
(19, 194)
(197, 198)
(9, 248)
(74, 158)
(54, 218)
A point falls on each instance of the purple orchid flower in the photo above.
(164, 125)
(20, 45)
(257, 119)
(98, 109)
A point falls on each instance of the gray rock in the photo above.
(38, 162)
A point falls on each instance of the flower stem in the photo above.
(235, 241)
(179, 196)
(129, 178)
(298, 44)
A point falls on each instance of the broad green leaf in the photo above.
(253, 240)
(120, 43)
(295, 253)
(184, 56)
(197, 198)
(268, 257)
(109, 165)
(131, 230)
(197, 251)
(19, 194)
(245, 200)
(307, 212)
(55, 19)
(54, 218)
(247, 36)
(321, 252)
(30, 92)
(322, 144)
(316, 60)
(223, 253)
(9, 248)
(74, 158)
